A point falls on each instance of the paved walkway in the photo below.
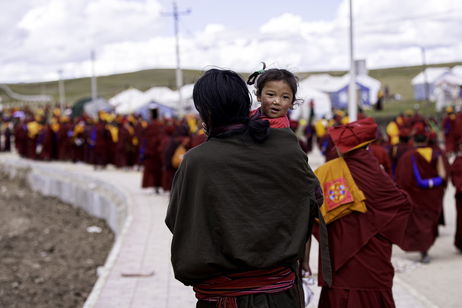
(145, 249)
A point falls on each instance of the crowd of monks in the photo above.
(156, 146)
(408, 148)
(127, 142)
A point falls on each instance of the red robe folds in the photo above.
(152, 171)
(382, 156)
(361, 243)
(456, 176)
(423, 230)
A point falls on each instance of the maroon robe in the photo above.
(152, 171)
(20, 133)
(456, 176)
(380, 153)
(31, 147)
(100, 139)
(64, 143)
(197, 139)
(361, 244)
(78, 146)
(7, 141)
(423, 229)
(45, 141)
(168, 171)
(124, 149)
(396, 151)
(449, 130)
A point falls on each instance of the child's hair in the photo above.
(261, 77)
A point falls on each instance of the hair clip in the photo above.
(253, 77)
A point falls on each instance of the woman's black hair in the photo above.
(261, 77)
(223, 99)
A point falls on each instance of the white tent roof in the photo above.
(324, 82)
(125, 97)
(322, 105)
(457, 70)
(161, 95)
(432, 74)
(450, 79)
(328, 83)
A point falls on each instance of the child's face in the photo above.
(276, 98)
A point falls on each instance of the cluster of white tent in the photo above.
(163, 98)
(442, 85)
(324, 90)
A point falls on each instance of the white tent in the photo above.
(162, 95)
(324, 82)
(446, 91)
(431, 74)
(337, 88)
(457, 70)
(187, 96)
(125, 97)
(424, 82)
(322, 105)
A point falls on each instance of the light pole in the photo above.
(424, 71)
(352, 103)
(179, 72)
(94, 90)
(61, 91)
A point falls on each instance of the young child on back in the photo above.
(275, 90)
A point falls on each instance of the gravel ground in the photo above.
(49, 251)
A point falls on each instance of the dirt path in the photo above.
(48, 254)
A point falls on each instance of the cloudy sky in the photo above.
(40, 37)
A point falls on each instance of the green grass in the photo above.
(398, 80)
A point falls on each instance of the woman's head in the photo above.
(222, 98)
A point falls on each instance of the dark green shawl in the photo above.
(237, 205)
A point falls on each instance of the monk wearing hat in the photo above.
(366, 213)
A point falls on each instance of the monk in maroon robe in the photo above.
(179, 137)
(421, 173)
(64, 140)
(19, 133)
(45, 142)
(397, 150)
(99, 143)
(361, 243)
(449, 130)
(152, 171)
(6, 147)
(124, 147)
(456, 177)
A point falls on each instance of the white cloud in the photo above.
(44, 36)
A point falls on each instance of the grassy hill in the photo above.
(398, 80)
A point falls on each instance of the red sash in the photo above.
(224, 289)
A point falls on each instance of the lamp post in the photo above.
(352, 100)
(179, 72)
(61, 91)
(94, 90)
